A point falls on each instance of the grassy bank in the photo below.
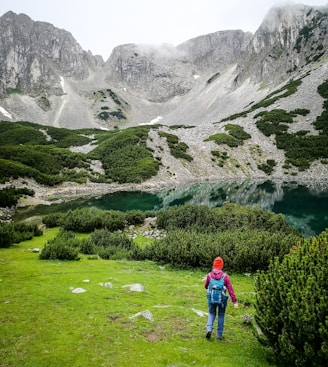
(44, 324)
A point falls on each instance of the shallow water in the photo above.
(305, 206)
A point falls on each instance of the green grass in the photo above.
(44, 324)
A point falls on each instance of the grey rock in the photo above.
(47, 78)
(35, 54)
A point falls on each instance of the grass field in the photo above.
(45, 324)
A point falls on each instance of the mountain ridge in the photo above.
(50, 80)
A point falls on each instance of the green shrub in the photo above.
(222, 138)
(65, 246)
(237, 132)
(45, 164)
(178, 149)
(6, 235)
(103, 115)
(275, 116)
(64, 138)
(285, 91)
(184, 216)
(87, 247)
(16, 134)
(292, 304)
(28, 152)
(109, 245)
(228, 217)
(11, 233)
(267, 167)
(135, 217)
(9, 196)
(300, 149)
(125, 155)
(244, 250)
(321, 121)
(300, 111)
(86, 220)
(213, 77)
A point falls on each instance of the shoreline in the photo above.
(70, 191)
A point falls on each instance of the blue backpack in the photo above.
(216, 291)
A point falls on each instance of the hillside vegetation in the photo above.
(133, 155)
(43, 153)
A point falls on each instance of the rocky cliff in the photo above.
(35, 54)
(289, 39)
(45, 73)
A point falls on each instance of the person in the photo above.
(217, 273)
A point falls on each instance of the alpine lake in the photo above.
(305, 205)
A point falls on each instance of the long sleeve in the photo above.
(207, 281)
(228, 284)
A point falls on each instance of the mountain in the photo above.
(198, 88)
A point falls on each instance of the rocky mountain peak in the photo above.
(289, 37)
(35, 54)
(156, 73)
(40, 64)
(215, 51)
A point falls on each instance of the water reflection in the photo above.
(304, 205)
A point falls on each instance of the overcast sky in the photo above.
(100, 25)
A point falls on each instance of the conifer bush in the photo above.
(292, 304)
(9, 196)
(243, 250)
(11, 233)
(65, 246)
(109, 245)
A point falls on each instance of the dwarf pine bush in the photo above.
(292, 304)
(65, 246)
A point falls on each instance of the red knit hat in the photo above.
(218, 263)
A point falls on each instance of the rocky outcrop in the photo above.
(154, 73)
(40, 60)
(216, 51)
(159, 73)
(289, 38)
(33, 56)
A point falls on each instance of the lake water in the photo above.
(305, 206)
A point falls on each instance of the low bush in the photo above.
(86, 220)
(267, 167)
(237, 132)
(292, 304)
(283, 92)
(243, 250)
(177, 148)
(112, 246)
(221, 138)
(65, 246)
(125, 155)
(102, 242)
(135, 217)
(228, 217)
(9, 196)
(11, 233)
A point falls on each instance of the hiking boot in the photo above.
(208, 335)
(219, 337)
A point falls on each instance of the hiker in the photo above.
(217, 298)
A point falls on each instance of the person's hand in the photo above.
(235, 305)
